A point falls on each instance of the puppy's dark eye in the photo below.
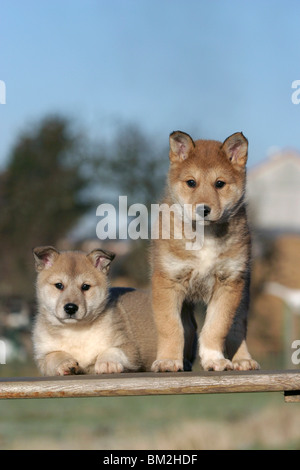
(220, 184)
(85, 287)
(59, 286)
(191, 183)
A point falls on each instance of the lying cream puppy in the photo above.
(85, 327)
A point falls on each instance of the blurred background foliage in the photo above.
(40, 198)
(54, 177)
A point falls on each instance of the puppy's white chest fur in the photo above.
(197, 273)
(201, 262)
(207, 258)
(83, 342)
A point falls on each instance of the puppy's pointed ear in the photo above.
(101, 259)
(236, 149)
(44, 257)
(180, 146)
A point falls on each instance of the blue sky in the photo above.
(207, 67)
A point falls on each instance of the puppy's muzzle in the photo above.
(70, 309)
(203, 210)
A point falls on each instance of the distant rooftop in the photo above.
(274, 192)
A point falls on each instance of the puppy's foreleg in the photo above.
(219, 317)
(59, 363)
(167, 301)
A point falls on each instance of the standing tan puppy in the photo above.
(206, 189)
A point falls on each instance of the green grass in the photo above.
(102, 420)
(233, 421)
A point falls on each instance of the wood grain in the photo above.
(150, 384)
(292, 396)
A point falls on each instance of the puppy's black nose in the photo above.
(71, 309)
(206, 211)
(203, 210)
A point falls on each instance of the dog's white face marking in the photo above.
(71, 300)
(72, 289)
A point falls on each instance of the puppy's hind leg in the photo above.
(190, 335)
(236, 346)
(112, 361)
(235, 343)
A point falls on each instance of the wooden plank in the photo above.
(150, 384)
(292, 396)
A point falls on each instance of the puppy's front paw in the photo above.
(108, 367)
(217, 364)
(68, 367)
(245, 364)
(167, 365)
